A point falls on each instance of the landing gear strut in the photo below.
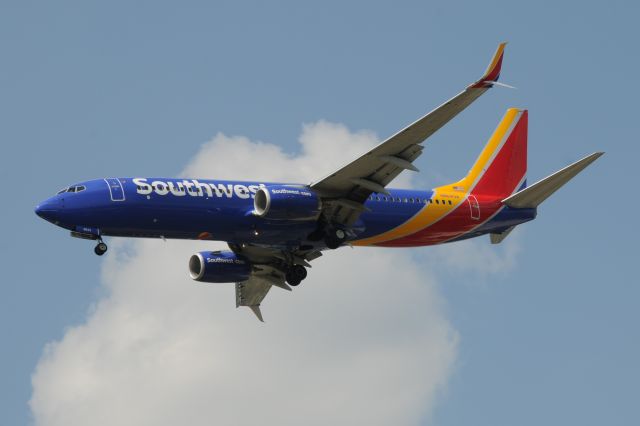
(295, 275)
(101, 248)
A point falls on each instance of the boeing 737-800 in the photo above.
(274, 230)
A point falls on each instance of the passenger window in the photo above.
(437, 202)
(406, 200)
(378, 198)
(449, 202)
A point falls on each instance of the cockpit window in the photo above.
(75, 188)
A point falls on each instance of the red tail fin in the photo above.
(501, 168)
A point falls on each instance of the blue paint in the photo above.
(224, 211)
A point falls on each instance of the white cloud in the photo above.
(477, 257)
(364, 340)
(324, 147)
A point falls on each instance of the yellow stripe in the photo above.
(431, 213)
(494, 61)
(494, 143)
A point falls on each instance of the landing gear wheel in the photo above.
(292, 280)
(335, 238)
(295, 275)
(100, 249)
(316, 235)
(299, 272)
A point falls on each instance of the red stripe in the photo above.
(499, 181)
(455, 224)
(495, 72)
(492, 75)
(509, 166)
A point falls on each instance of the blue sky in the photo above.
(92, 89)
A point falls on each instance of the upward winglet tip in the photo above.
(492, 74)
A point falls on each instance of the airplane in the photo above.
(274, 230)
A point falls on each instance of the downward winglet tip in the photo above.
(257, 312)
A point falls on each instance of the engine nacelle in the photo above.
(219, 267)
(285, 202)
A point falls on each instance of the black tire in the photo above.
(316, 235)
(335, 238)
(291, 279)
(299, 272)
(100, 249)
(332, 242)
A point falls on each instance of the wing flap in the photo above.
(252, 291)
(266, 272)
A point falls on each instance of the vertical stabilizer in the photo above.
(501, 168)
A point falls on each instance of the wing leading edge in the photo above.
(346, 189)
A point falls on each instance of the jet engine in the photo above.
(286, 202)
(219, 267)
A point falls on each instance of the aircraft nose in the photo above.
(49, 209)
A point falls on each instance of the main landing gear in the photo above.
(334, 238)
(295, 275)
(101, 248)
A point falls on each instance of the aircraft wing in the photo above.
(251, 292)
(266, 274)
(345, 190)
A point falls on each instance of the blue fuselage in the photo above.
(219, 210)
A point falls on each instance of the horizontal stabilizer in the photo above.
(497, 238)
(534, 195)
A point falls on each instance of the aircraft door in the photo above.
(116, 191)
(474, 206)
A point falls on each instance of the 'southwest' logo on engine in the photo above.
(195, 188)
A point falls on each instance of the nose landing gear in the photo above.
(89, 233)
(101, 248)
